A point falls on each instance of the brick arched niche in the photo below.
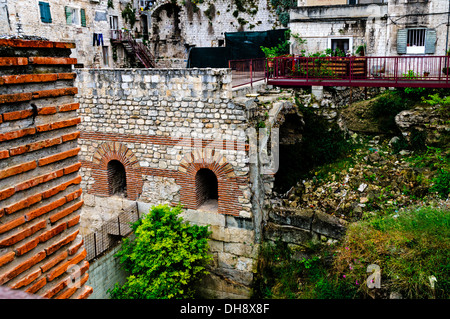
(205, 174)
(116, 171)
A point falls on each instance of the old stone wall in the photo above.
(104, 273)
(41, 250)
(182, 24)
(164, 126)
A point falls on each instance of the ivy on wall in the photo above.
(248, 7)
(282, 10)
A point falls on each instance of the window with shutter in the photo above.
(430, 41)
(416, 41)
(402, 36)
(83, 17)
(74, 16)
(68, 11)
(44, 9)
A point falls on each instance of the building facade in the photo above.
(382, 28)
(101, 29)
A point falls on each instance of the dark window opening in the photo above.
(207, 190)
(343, 45)
(117, 179)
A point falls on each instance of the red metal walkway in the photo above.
(398, 71)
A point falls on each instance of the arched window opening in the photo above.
(207, 190)
(117, 178)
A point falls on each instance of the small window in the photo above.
(342, 45)
(114, 26)
(75, 16)
(117, 178)
(415, 43)
(105, 56)
(145, 4)
(44, 8)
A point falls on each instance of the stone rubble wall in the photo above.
(164, 125)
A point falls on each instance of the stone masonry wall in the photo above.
(204, 24)
(41, 251)
(164, 125)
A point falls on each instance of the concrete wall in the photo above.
(104, 273)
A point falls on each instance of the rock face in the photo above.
(423, 119)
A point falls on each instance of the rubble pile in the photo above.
(374, 179)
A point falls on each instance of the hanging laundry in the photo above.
(97, 39)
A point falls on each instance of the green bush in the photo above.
(165, 259)
(441, 183)
(386, 107)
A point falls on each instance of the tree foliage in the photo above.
(167, 256)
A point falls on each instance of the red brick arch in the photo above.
(107, 152)
(228, 190)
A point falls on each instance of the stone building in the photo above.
(383, 28)
(75, 21)
(163, 28)
(176, 26)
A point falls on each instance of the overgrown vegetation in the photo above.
(282, 10)
(402, 226)
(129, 14)
(166, 258)
(411, 249)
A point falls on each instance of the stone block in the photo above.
(298, 218)
(288, 234)
(328, 225)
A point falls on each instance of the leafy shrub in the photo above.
(386, 107)
(442, 102)
(165, 259)
(441, 183)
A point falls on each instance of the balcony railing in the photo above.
(139, 49)
(247, 71)
(427, 71)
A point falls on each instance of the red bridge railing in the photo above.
(247, 71)
(423, 71)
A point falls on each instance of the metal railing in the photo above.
(247, 71)
(110, 233)
(140, 50)
(428, 70)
